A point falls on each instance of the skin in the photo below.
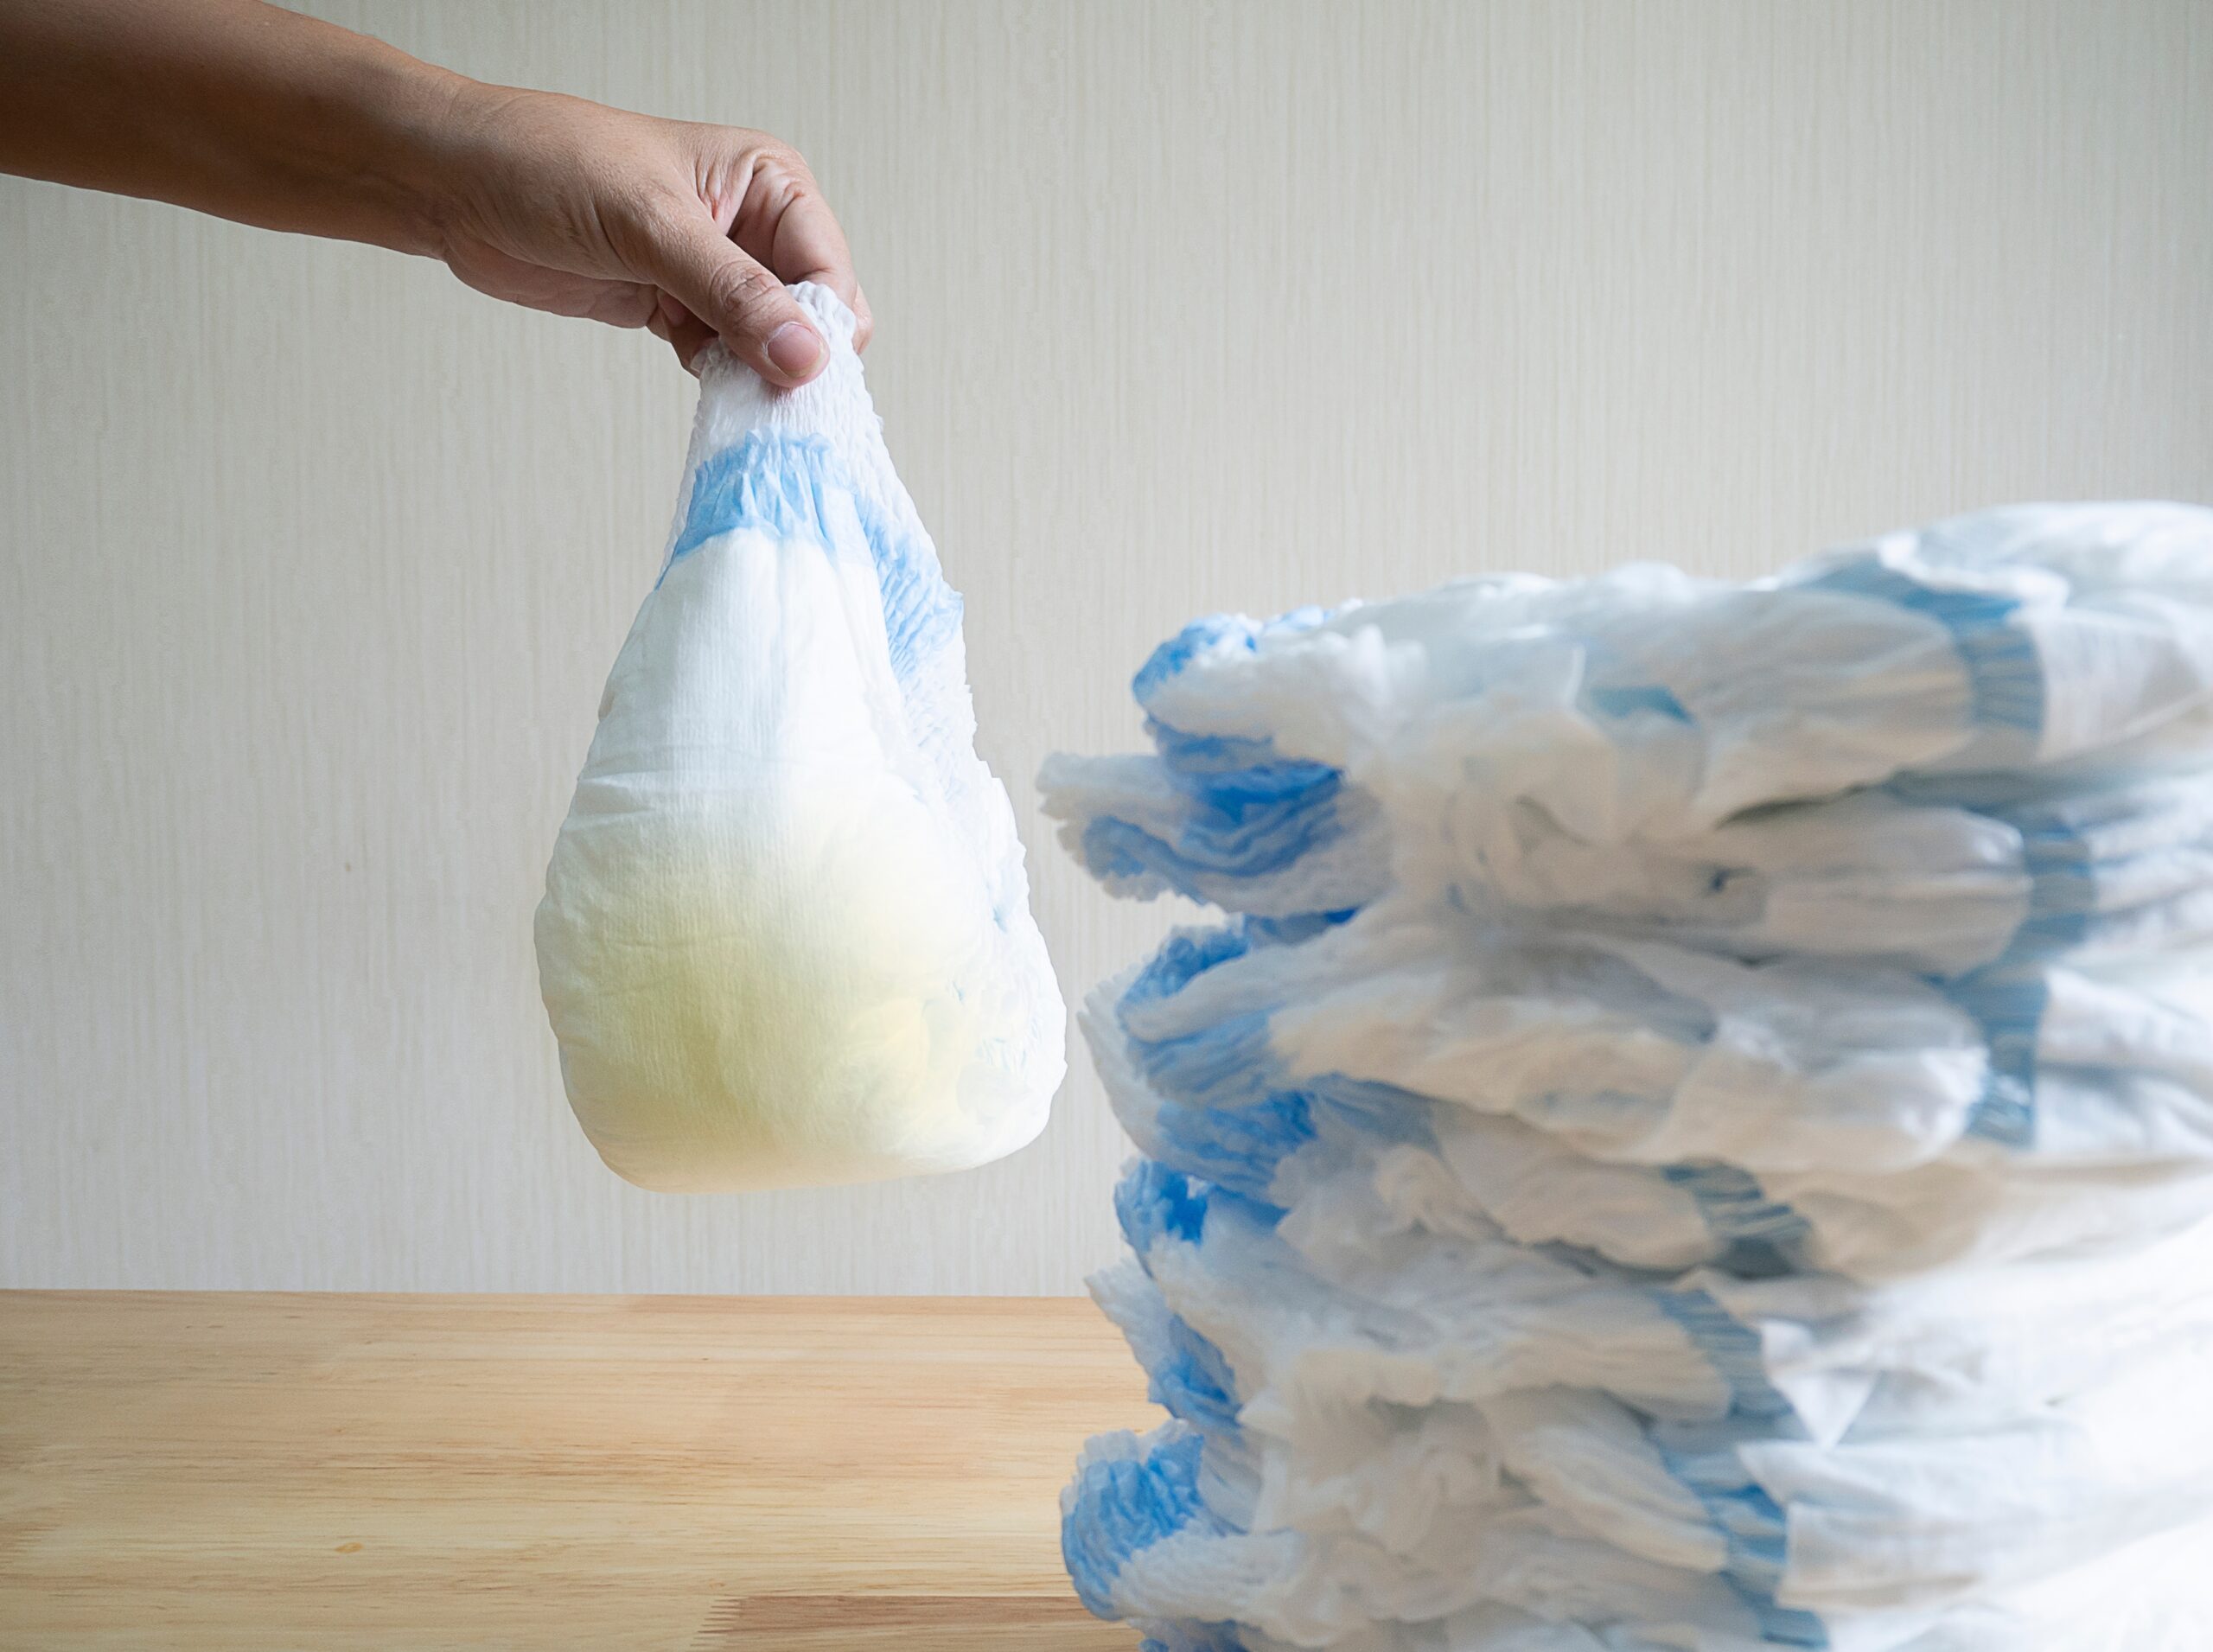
(259, 114)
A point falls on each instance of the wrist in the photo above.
(416, 120)
(477, 150)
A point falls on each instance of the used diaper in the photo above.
(786, 937)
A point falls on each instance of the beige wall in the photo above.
(311, 562)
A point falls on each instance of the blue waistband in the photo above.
(782, 486)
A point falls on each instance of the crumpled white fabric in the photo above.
(1532, 1581)
(1498, 735)
(1945, 879)
(1696, 1132)
(786, 937)
(1660, 1104)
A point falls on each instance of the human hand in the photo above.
(690, 231)
(270, 117)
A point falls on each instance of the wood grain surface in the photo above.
(243, 1473)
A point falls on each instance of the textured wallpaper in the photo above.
(312, 563)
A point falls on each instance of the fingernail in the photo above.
(795, 348)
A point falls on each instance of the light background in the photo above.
(312, 562)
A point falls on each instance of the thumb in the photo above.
(748, 307)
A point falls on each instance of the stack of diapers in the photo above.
(786, 937)
(1694, 1128)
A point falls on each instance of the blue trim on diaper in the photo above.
(1186, 1636)
(2002, 663)
(1182, 958)
(1732, 1346)
(1245, 837)
(1170, 658)
(1289, 931)
(1751, 1522)
(1262, 792)
(1213, 753)
(781, 486)
(1765, 1240)
(1196, 1385)
(1116, 1514)
(1241, 1150)
(1232, 772)
(1154, 1202)
(1229, 1067)
(1196, 1637)
(1235, 1148)
(2078, 851)
(1382, 1113)
(1228, 1064)
(1627, 701)
(1206, 636)
(1703, 1459)
(1780, 1625)
(1122, 1508)
(1227, 1112)
(2010, 1008)
(1189, 952)
(1245, 822)
(2062, 891)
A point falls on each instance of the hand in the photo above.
(690, 231)
(272, 119)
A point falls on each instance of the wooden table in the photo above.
(245, 1473)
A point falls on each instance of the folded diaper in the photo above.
(1941, 877)
(1697, 1132)
(1850, 1119)
(1304, 764)
(1147, 1544)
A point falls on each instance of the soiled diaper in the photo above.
(785, 935)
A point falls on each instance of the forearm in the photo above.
(230, 107)
(237, 108)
